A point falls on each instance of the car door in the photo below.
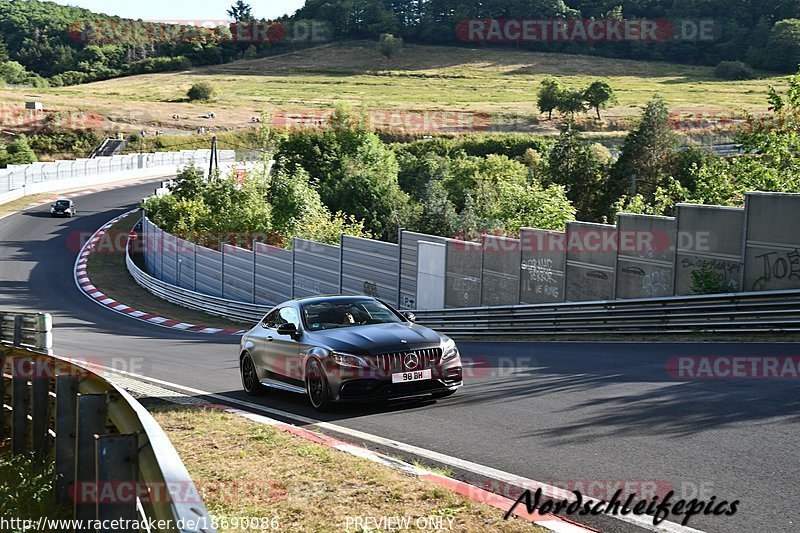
(260, 351)
(283, 351)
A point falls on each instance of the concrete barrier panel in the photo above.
(772, 247)
(463, 282)
(273, 274)
(316, 268)
(646, 256)
(542, 266)
(591, 261)
(409, 243)
(370, 267)
(186, 264)
(208, 271)
(237, 274)
(501, 257)
(708, 235)
(430, 278)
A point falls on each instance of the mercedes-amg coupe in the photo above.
(347, 348)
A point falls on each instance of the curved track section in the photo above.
(561, 413)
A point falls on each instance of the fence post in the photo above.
(92, 411)
(255, 265)
(341, 263)
(17, 331)
(222, 270)
(294, 246)
(20, 430)
(3, 397)
(66, 411)
(40, 407)
(116, 464)
(400, 267)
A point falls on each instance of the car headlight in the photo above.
(52, 209)
(449, 350)
(346, 359)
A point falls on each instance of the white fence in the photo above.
(43, 177)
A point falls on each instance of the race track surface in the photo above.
(553, 412)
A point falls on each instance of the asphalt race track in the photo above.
(553, 412)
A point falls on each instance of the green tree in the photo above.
(599, 95)
(583, 171)
(202, 91)
(783, 46)
(549, 96)
(18, 152)
(646, 155)
(571, 101)
(241, 11)
(389, 45)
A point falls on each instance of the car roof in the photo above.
(327, 298)
(63, 200)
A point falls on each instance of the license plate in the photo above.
(417, 375)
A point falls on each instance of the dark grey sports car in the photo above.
(347, 348)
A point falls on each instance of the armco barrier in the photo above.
(233, 310)
(748, 312)
(98, 435)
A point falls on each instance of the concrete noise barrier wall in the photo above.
(591, 261)
(501, 260)
(772, 255)
(710, 236)
(543, 262)
(645, 256)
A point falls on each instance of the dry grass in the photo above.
(20, 204)
(247, 469)
(499, 82)
(109, 274)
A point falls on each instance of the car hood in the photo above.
(376, 339)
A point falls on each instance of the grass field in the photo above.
(499, 82)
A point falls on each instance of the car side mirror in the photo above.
(288, 329)
(411, 317)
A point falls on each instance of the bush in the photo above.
(733, 70)
(202, 91)
(706, 280)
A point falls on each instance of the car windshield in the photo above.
(62, 203)
(347, 313)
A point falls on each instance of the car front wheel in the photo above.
(250, 382)
(317, 387)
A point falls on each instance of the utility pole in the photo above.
(213, 158)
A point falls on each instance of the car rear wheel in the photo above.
(250, 382)
(317, 387)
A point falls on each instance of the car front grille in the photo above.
(401, 362)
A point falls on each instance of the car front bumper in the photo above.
(348, 386)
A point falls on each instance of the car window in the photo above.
(62, 203)
(347, 313)
(269, 320)
(288, 315)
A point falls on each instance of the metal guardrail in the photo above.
(112, 460)
(745, 312)
(230, 309)
(27, 330)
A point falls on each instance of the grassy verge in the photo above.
(109, 274)
(499, 82)
(245, 469)
(27, 488)
(21, 203)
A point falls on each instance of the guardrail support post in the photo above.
(40, 407)
(3, 398)
(66, 411)
(117, 465)
(18, 331)
(20, 429)
(92, 412)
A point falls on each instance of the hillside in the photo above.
(498, 82)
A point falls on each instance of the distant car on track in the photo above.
(64, 207)
(347, 348)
